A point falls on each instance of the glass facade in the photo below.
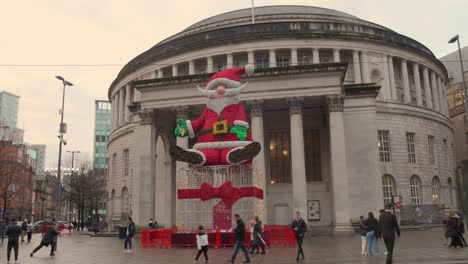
(8, 109)
(102, 128)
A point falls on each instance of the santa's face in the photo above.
(220, 91)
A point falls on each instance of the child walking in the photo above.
(202, 244)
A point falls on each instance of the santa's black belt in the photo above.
(209, 131)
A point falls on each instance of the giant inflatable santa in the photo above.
(222, 132)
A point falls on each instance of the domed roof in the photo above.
(271, 10)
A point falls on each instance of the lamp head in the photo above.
(67, 83)
(60, 78)
(452, 40)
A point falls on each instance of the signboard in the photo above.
(313, 210)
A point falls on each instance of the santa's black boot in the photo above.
(192, 157)
(239, 155)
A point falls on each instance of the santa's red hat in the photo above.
(229, 77)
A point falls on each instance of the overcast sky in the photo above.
(113, 32)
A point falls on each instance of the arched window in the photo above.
(124, 200)
(112, 203)
(435, 190)
(389, 188)
(450, 189)
(415, 190)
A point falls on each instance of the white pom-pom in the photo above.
(249, 69)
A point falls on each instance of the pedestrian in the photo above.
(2, 229)
(461, 228)
(130, 232)
(372, 234)
(454, 226)
(251, 246)
(388, 226)
(151, 224)
(13, 231)
(202, 244)
(446, 229)
(363, 232)
(29, 231)
(258, 235)
(48, 239)
(24, 229)
(300, 228)
(239, 237)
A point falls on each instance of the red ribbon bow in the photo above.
(226, 192)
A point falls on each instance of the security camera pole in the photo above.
(63, 130)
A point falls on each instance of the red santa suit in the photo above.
(216, 147)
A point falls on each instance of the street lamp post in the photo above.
(73, 152)
(465, 91)
(62, 131)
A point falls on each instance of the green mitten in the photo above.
(240, 131)
(181, 129)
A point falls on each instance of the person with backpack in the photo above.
(202, 244)
(48, 239)
(130, 232)
(13, 231)
(372, 234)
(24, 229)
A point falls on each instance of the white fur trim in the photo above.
(232, 163)
(241, 123)
(218, 105)
(199, 152)
(225, 81)
(221, 144)
(249, 69)
(190, 129)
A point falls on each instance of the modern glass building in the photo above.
(101, 134)
(8, 109)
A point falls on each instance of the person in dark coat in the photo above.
(258, 236)
(48, 239)
(454, 226)
(2, 229)
(239, 237)
(130, 232)
(388, 226)
(372, 228)
(300, 228)
(461, 229)
(13, 231)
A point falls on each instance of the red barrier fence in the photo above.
(169, 237)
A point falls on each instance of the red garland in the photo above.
(226, 192)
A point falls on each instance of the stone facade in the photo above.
(330, 89)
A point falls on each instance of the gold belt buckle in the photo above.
(220, 127)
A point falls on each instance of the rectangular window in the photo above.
(313, 155)
(411, 147)
(430, 143)
(261, 61)
(280, 158)
(114, 164)
(384, 145)
(125, 161)
(97, 138)
(282, 61)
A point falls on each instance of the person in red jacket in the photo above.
(222, 132)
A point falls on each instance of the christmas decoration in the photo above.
(222, 132)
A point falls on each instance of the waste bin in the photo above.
(122, 232)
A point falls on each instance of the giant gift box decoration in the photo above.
(222, 137)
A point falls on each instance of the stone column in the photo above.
(229, 59)
(434, 89)
(258, 163)
(339, 177)
(251, 58)
(391, 76)
(356, 67)
(175, 70)
(272, 58)
(299, 181)
(143, 198)
(128, 101)
(121, 106)
(209, 64)
(427, 88)
(191, 67)
(440, 95)
(113, 107)
(315, 56)
(386, 84)
(406, 85)
(365, 67)
(160, 73)
(336, 55)
(417, 84)
(154, 74)
(294, 60)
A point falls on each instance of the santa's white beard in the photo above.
(218, 105)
